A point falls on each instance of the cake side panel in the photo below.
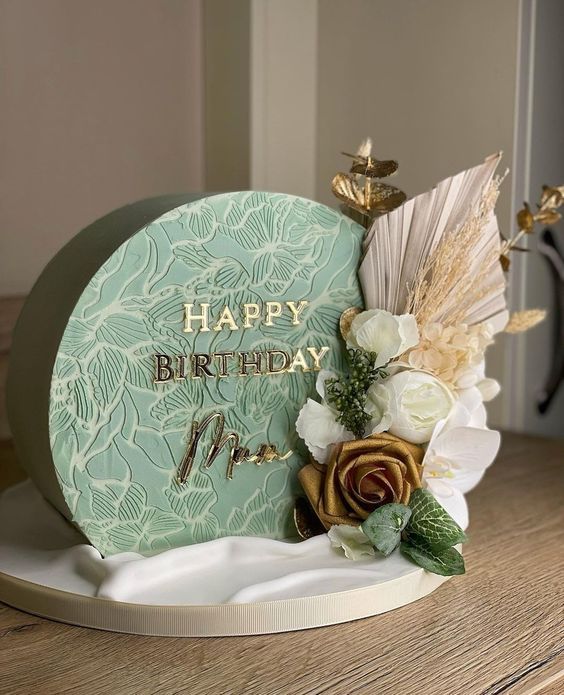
(118, 449)
(42, 323)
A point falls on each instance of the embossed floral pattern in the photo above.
(118, 438)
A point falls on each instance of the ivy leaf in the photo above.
(430, 521)
(445, 562)
(384, 526)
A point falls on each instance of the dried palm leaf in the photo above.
(438, 254)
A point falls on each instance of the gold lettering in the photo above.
(317, 356)
(200, 364)
(226, 318)
(245, 361)
(189, 317)
(273, 309)
(299, 361)
(163, 370)
(250, 311)
(270, 361)
(296, 310)
(238, 454)
(222, 358)
(181, 368)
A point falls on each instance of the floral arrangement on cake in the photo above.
(399, 439)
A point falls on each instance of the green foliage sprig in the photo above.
(424, 531)
(348, 394)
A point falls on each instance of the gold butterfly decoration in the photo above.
(358, 189)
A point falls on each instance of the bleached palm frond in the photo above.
(438, 253)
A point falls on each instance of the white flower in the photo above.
(489, 388)
(457, 457)
(378, 407)
(417, 401)
(381, 332)
(475, 378)
(352, 540)
(317, 423)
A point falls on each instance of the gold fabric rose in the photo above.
(360, 476)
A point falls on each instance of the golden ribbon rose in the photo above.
(360, 476)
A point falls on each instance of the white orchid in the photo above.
(457, 456)
(379, 331)
(352, 540)
(474, 381)
(317, 423)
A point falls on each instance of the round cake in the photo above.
(162, 358)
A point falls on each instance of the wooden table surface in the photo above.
(498, 629)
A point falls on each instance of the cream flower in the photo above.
(475, 381)
(317, 423)
(352, 540)
(457, 456)
(452, 353)
(417, 401)
(381, 332)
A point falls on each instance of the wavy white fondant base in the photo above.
(229, 586)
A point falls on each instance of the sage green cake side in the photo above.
(42, 322)
(230, 304)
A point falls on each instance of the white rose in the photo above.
(381, 332)
(418, 400)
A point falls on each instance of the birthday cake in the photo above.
(258, 364)
(158, 369)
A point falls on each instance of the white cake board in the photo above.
(230, 586)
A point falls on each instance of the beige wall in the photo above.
(284, 96)
(432, 82)
(101, 104)
(227, 44)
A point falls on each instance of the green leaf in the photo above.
(445, 562)
(431, 522)
(384, 526)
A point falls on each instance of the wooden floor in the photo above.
(498, 629)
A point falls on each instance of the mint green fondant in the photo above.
(117, 438)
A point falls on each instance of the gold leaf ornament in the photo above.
(372, 198)
(373, 168)
(525, 219)
(347, 317)
(359, 190)
(552, 196)
(548, 217)
(367, 165)
(305, 520)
